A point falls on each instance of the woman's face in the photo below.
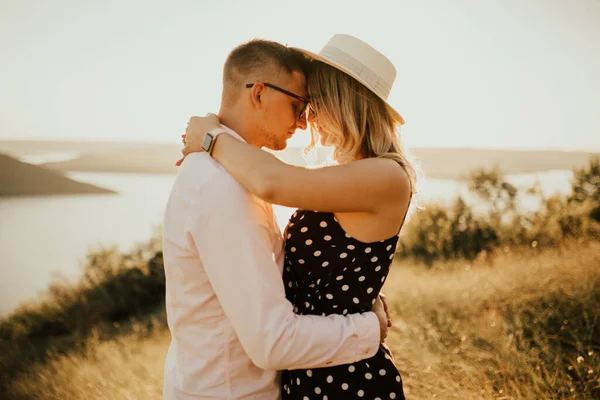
(321, 126)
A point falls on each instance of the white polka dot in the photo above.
(351, 368)
(389, 247)
(370, 290)
(368, 375)
(374, 259)
(391, 256)
(392, 395)
(297, 381)
(357, 269)
(326, 263)
(323, 224)
(343, 255)
(308, 372)
(382, 372)
(373, 301)
(306, 304)
(290, 284)
(368, 250)
(397, 378)
(344, 386)
(345, 288)
(305, 398)
(378, 268)
(355, 300)
(317, 253)
(329, 379)
(308, 242)
(293, 249)
(304, 229)
(328, 238)
(318, 281)
(289, 235)
(351, 247)
(361, 278)
(348, 236)
(382, 278)
(335, 306)
(377, 398)
(318, 390)
(339, 278)
(300, 261)
(329, 296)
(344, 312)
(360, 393)
(325, 397)
(288, 390)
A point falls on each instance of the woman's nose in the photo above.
(301, 122)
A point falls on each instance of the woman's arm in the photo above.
(366, 185)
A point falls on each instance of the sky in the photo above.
(471, 73)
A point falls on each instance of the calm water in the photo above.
(42, 238)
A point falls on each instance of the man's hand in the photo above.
(195, 132)
(379, 310)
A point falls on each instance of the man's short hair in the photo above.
(261, 58)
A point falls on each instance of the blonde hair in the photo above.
(358, 123)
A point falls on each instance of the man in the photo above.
(231, 325)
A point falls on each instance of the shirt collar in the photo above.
(232, 133)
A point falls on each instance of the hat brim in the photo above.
(318, 57)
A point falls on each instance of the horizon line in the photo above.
(163, 142)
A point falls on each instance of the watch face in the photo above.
(208, 138)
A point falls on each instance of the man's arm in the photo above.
(234, 242)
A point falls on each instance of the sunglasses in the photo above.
(305, 102)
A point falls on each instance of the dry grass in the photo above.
(126, 368)
(484, 330)
(513, 328)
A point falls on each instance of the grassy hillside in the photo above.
(22, 179)
(521, 326)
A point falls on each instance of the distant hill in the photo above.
(442, 163)
(21, 179)
(439, 163)
(135, 159)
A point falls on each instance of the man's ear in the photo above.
(256, 94)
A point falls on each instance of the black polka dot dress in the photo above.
(327, 271)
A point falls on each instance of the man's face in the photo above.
(281, 113)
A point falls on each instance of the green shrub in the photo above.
(117, 292)
(437, 233)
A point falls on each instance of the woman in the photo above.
(337, 258)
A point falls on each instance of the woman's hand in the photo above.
(195, 132)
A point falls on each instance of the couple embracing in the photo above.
(259, 314)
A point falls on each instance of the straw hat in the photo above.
(362, 62)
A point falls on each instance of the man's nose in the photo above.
(301, 122)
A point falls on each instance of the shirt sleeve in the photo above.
(234, 241)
